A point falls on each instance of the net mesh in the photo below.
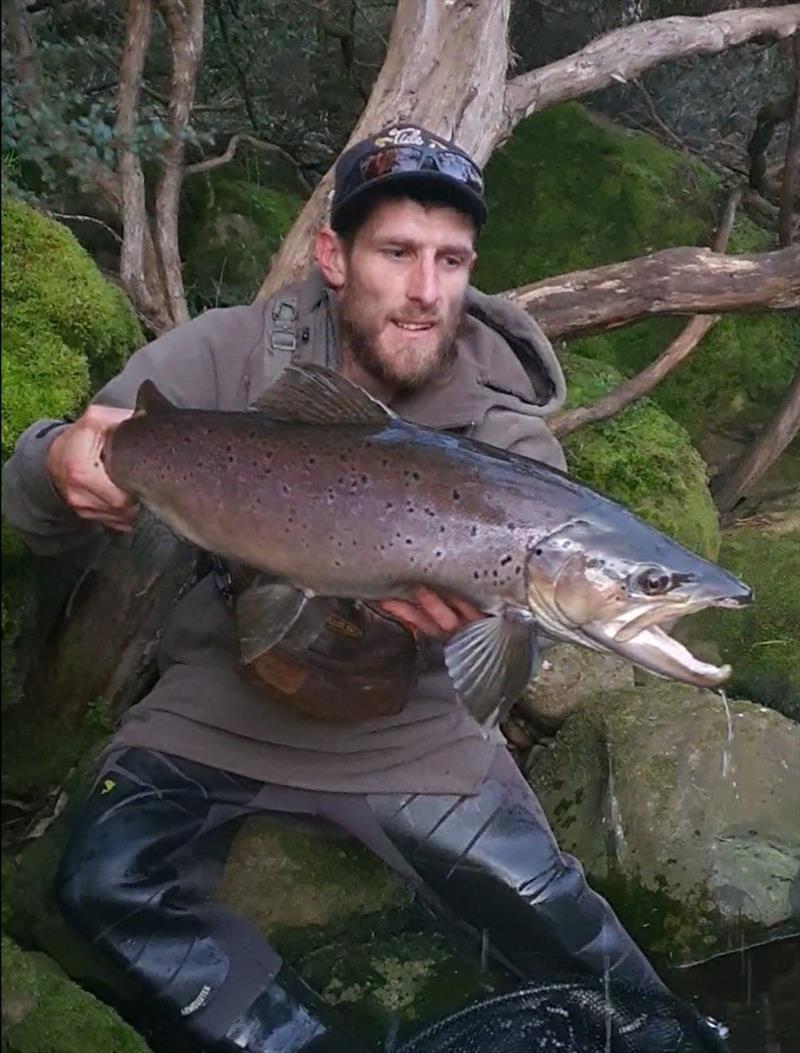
(572, 1016)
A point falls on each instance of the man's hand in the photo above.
(74, 465)
(439, 616)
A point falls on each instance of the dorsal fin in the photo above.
(150, 400)
(312, 394)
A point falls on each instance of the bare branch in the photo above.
(184, 21)
(682, 281)
(136, 231)
(86, 219)
(770, 444)
(680, 348)
(230, 151)
(792, 165)
(626, 53)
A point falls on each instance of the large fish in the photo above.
(326, 491)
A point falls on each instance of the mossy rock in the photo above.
(350, 926)
(642, 458)
(762, 643)
(65, 329)
(685, 821)
(572, 191)
(45, 1012)
(232, 228)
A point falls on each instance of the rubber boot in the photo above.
(288, 1017)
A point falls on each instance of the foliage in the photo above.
(641, 458)
(233, 225)
(593, 193)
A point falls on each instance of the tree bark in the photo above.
(770, 444)
(445, 69)
(681, 281)
(184, 21)
(139, 278)
(791, 169)
(680, 348)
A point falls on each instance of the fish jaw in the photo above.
(657, 652)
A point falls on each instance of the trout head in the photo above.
(619, 587)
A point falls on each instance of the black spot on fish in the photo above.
(505, 561)
(409, 541)
(389, 505)
(476, 575)
(415, 475)
(474, 531)
(456, 495)
(512, 526)
(364, 479)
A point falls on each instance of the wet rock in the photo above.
(569, 675)
(691, 834)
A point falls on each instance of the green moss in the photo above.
(641, 458)
(44, 1012)
(762, 643)
(408, 980)
(65, 329)
(570, 192)
(232, 228)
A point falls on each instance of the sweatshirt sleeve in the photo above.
(184, 364)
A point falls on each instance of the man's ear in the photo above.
(330, 256)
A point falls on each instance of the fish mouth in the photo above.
(653, 649)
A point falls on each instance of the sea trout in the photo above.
(328, 493)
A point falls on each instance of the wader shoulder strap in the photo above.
(280, 337)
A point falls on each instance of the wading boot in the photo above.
(288, 1017)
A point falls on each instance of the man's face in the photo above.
(402, 300)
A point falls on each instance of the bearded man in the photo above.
(359, 727)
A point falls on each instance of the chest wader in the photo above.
(142, 864)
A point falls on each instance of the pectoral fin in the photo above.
(491, 661)
(265, 612)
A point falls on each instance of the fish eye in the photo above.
(654, 581)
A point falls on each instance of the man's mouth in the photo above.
(413, 327)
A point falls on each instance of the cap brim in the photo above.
(441, 187)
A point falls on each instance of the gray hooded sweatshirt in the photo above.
(202, 708)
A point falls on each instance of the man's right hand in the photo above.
(77, 472)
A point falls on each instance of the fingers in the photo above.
(413, 616)
(76, 469)
(438, 616)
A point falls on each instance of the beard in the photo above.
(406, 366)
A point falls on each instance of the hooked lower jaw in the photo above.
(656, 651)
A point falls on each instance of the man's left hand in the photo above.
(433, 614)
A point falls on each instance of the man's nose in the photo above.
(423, 283)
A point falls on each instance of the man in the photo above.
(319, 729)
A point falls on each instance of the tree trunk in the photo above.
(445, 69)
(673, 281)
(770, 444)
(791, 169)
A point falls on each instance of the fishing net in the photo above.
(577, 1016)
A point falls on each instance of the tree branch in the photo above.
(682, 281)
(184, 21)
(769, 117)
(137, 239)
(679, 349)
(626, 53)
(230, 150)
(770, 444)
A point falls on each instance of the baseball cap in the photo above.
(406, 155)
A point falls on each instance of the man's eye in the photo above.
(454, 261)
(397, 254)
